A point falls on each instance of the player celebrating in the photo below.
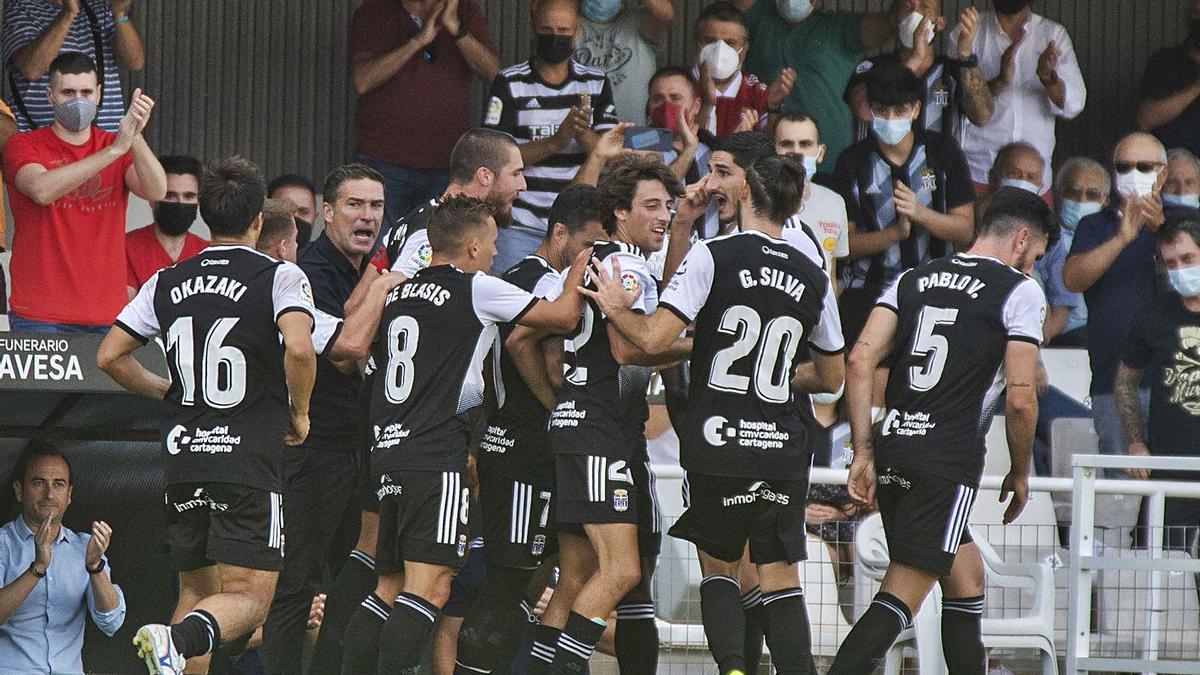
(755, 301)
(436, 329)
(227, 410)
(950, 325)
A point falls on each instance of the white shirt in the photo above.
(824, 214)
(1024, 111)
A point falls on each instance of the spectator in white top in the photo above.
(623, 40)
(1034, 76)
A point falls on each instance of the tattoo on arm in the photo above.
(1129, 406)
(978, 100)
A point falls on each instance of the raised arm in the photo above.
(977, 100)
(1081, 270)
(657, 18)
(879, 27)
(13, 595)
(127, 44)
(33, 59)
(562, 315)
(650, 334)
(480, 57)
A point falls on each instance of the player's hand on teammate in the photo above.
(98, 544)
(1017, 485)
(610, 292)
(862, 479)
(297, 428)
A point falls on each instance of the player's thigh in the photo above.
(518, 521)
(423, 519)
(777, 576)
(256, 583)
(966, 578)
(718, 515)
(194, 586)
(576, 560)
(924, 517)
(615, 545)
(247, 527)
(777, 532)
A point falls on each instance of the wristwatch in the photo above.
(34, 572)
(462, 32)
(971, 61)
(97, 569)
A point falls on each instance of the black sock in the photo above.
(788, 635)
(724, 622)
(196, 635)
(576, 644)
(865, 647)
(403, 638)
(225, 656)
(356, 580)
(756, 625)
(545, 644)
(962, 643)
(636, 639)
(361, 644)
(495, 623)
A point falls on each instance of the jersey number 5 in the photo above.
(776, 344)
(931, 346)
(223, 366)
(402, 335)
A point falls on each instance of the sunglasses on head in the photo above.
(1143, 167)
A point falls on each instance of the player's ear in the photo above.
(327, 210)
(484, 177)
(820, 153)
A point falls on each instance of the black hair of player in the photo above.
(1179, 221)
(746, 147)
(676, 71)
(37, 449)
(454, 221)
(288, 180)
(182, 165)
(72, 63)
(1012, 208)
(232, 192)
(891, 83)
(618, 187)
(344, 174)
(722, 10)
(575, 207)
(776, 187)
(486, 148)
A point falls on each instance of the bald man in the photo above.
(1112, 263)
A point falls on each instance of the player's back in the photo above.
(956, 316)
(755, 301)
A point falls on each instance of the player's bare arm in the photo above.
(524, 346)
(562, 315)
(115, 357)
(300, 367)
(874, 345)
(1020, 419)
(1129, 410)
(824, 374)
(354, 341)
(641, 337)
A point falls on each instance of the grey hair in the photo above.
(1184, 154)
(1076, 164)
(1142, 136)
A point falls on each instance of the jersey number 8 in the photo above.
(402, 335)
(224, 366)
(776, 343)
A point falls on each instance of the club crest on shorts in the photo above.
(629, 282)
(539, 545)
(462, 545)
(620, 500)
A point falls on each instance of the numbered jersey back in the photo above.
(956, 316)
(226, 410)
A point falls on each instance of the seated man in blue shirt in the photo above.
(51, 574)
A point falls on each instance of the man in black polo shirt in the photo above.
(1169, 103)
(320, 478)
(908, 194)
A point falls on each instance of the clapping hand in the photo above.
(968, 25)
(780, 88)
(1047, 65)
(135, 120)
(43, 541)
(98, 544)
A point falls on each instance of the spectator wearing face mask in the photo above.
(1111, 261)
(822, 211)
(300, 191)
(822, 48)
(1182, 186)
(1034, 78)
(623, 38)
(1169, 105)
(167, 240)
(908, 195)
(953, 86)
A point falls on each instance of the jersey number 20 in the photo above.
(223, 366)
(776, 343)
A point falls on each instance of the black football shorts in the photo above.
(924, 517)
(226, 523)
(723, 513)
(422, 518)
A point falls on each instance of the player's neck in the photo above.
(989, 248)
(460, 262)
(556, 261)
(235, 241)
(622, 235)
(750, 224)
(471, 190)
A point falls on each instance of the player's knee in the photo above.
(624, 575)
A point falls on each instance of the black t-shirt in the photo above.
(1165, 343)
(755, 301)
(1168, 71)
(936, 171)
(435, 332)
(514, 444)
(956, 316)
(226, 411)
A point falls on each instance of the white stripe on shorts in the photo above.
(448, 509)
(959, 514)
(522, 503)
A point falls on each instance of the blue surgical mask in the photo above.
(1018, 183)
(1185, 281)
(810, 166)
(891, 132)
(600, 11)
(794, 11)
(1071, 212)
(1182, 201)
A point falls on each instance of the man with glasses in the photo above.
(1111, 262)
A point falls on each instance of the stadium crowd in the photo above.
(910, 133)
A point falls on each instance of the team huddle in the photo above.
(551, 434)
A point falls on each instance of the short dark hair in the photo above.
(486, 148)
(891, 83)
(675, 71)
(454, 220)
(291, 180)
(73, 63)
(1179, 221)
(575, 207)
(182, 165)
(232, 192)
(721, 10)
(799, 117)
(1012, 208)
(620, 184)
(279, 215)
(37, 449)
(346, 172)
(747, 147)
(776, 186)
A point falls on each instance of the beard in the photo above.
(501, 209)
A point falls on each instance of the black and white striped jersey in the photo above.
(514, 444)
(405, 246)
(755, 301)
(226, 411)
(601, 408)
(434, 333)
(956, 316)
(524, 105)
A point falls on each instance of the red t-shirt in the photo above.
(146, 255)
(68, 258)
(414, 119)
(751, 94)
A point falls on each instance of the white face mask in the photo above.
(1136, 183)
(722, 59)
(794, 11)
(1021, 184)
(909, 26)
